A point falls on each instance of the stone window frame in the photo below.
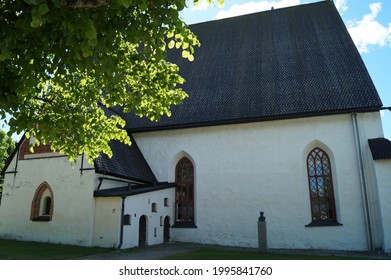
(39, 208)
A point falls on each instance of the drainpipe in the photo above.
(362, 181)
(121, 235)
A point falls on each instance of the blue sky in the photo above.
(368, 21)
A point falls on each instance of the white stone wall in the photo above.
(107, 222)
(141, 204)
(108, 213)
(383, 174)
(73, 213)
(242, 169)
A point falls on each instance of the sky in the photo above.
(368, 21)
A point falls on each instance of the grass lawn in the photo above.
(21, 250)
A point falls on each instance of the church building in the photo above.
(282, 117)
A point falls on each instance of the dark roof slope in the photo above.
(129, 191)
(127, 162)
(380, 148)
(284, 63)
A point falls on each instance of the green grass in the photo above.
(224, 254)
(21, 250)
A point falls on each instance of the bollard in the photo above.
(262, 236)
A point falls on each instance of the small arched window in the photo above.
(42, 204)
(321, 188)
(184, 192)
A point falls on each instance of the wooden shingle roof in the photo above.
(127, 162)
(284, 63)
(380, 148)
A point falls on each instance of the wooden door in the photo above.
(166, 231)
(142, 231)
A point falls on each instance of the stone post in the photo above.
(262, 236)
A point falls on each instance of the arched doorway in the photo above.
(166, 231)
(142, 231)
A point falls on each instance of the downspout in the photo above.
(82, 164)
(121, 234)
(363, 183)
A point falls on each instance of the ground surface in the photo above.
(161, 251)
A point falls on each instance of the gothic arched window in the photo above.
(42, 204)
(184, 193)
(321, 188)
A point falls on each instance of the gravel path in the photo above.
(160, 251)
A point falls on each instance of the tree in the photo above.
(7, 146)
(62, 60)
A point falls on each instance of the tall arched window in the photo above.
(321, 189)
(184, 193)
(42, 204)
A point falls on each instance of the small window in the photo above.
(127, 219)
(42, 204)
(166, 202)
(154, 207)
(47, 204)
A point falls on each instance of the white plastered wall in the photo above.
(73, 212)
(107, 222)
(383, 174)
(243, 169)
(141, 204)
(108, 212)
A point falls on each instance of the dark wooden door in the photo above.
(166, 231)
(142, 231)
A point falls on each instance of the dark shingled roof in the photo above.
(127, 162)
(284, 63)
(380, 148)
(134, 190)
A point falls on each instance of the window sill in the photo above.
(42, 219)
(184, 225)
(325, 223)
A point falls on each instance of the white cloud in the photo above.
(254, 7)
(368, 32)
(341, 5)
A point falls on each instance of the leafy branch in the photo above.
(60, 58)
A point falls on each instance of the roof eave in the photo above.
(102, 172)
(125, 191)
(254, 119)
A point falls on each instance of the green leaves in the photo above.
(43, 9)
(220, 3)
(59, 64)
(90, 30)
(125, 3)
